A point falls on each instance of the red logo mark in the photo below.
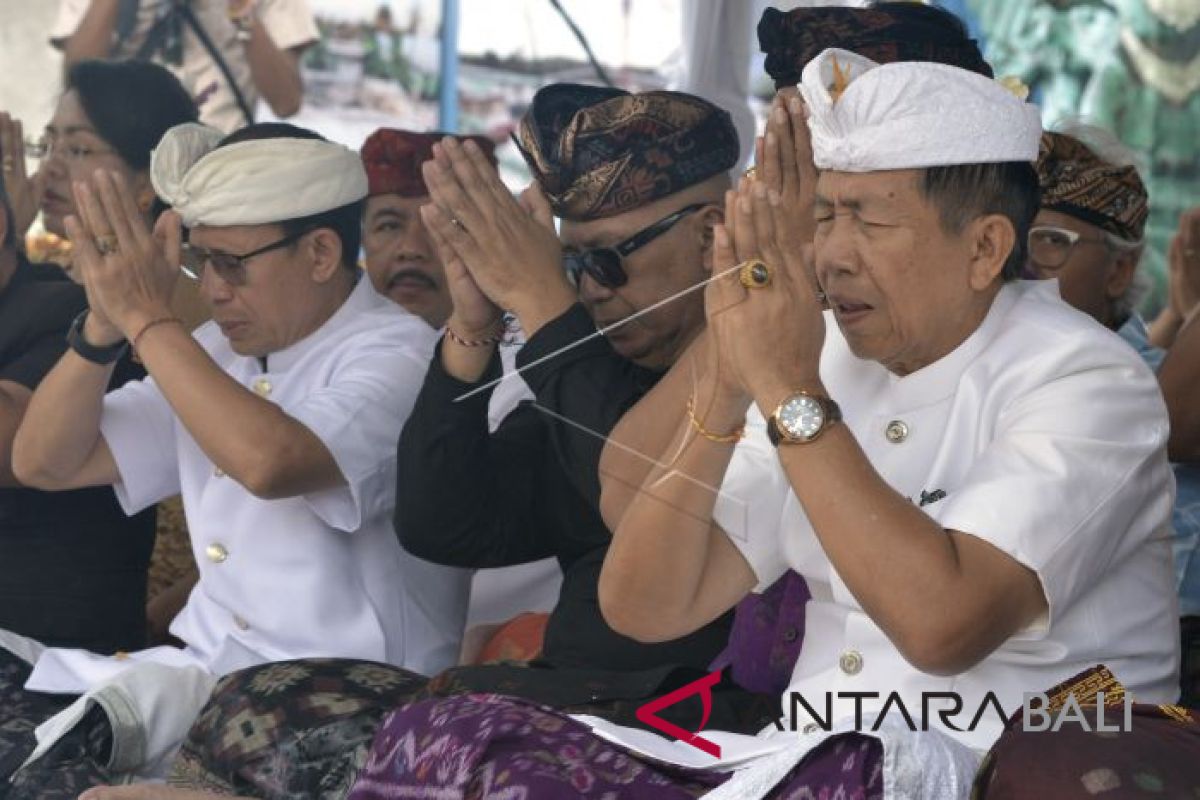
(648, 714)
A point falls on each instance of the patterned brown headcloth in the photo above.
(597, 152)
(393, 159)
(885, 34)
(1077, 182)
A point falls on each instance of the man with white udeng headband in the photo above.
(277, 422)
(969, 474)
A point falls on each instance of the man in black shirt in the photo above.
(639, 182)
(72, 566)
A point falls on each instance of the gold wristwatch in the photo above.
(801, 418)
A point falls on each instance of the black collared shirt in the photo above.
(72, 565)
(531, 489)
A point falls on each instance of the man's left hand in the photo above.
(771, 336)
(129, 272)
(510, 250)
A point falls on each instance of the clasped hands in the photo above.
(764, 342)
(128, 271)
(500, 252)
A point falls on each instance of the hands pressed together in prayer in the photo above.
(501, 253)
(1183, 281)
(24, 190)
(128, 270)
(1183, 257)
(784, 162)
(765, 339)
(765, 336)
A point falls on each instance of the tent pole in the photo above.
(448, 85)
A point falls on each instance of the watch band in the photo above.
(778, 436)
(93, 353)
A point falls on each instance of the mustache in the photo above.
(410, 274)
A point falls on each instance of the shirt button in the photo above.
(811, 727)
(896, 431)
(216, 553)
(217, 473)
(851, 662)
(262, 387)
(790, 635)
(241, 623)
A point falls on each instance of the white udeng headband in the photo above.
(252, 182)
(910, 115)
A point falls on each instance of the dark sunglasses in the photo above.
(230, 268)
(603, 264)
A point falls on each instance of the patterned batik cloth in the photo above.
(78, 761)
(1154, 757)
(303, 728)
(487, 747)
(597, 152)
(790, 39)
(1081, 184)
(393, 159)
(290, 729)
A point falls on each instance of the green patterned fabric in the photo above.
(1130, 66)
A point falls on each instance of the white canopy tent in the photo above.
(719, 43)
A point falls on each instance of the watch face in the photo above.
(801, 417)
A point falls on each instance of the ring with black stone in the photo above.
(754, 274)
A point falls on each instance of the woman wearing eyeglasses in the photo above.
(110, 115)
(73, 567)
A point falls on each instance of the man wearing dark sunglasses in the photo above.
(638, 182)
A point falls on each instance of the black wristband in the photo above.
(97, 355)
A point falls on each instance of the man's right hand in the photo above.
(473, 312)
(473, 318)
(474, 315)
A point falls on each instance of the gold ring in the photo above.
(751, 172)
(106, 244)
(754, 274)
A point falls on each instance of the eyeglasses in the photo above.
(1050, 247)
(229, 267)
(603, 264)
(46, 147)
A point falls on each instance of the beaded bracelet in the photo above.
(454, 337)
(728, 438)
(152, 323)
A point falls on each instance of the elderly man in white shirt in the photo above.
(970, 475)
(277, 422)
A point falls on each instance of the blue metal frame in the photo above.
(448, 85)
